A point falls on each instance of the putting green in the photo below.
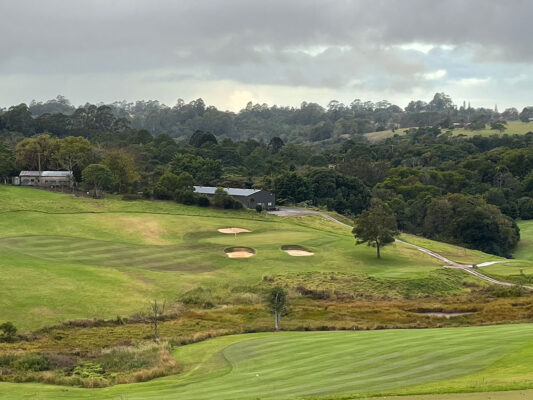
(333, 364)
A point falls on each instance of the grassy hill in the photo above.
(513, 128)
(86, 258)
(524, 250)
(338, 365)
(65, 258)
(382, 135)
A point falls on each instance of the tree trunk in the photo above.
(377, 247)
(276, 321)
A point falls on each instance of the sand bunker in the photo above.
(233, 230)
(297, 251)
(239, 252)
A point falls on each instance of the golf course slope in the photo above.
(85, 258)
(333, 365)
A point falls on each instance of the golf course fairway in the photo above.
(342, 364)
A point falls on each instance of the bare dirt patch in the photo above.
(297, 251)
(233, 231)
(239, 252)
(148, 229)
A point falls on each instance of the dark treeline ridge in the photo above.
(461, 190)
(308, 123)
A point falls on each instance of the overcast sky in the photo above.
(275, 52)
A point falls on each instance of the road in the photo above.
(298, 212)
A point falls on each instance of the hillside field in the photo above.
(66, 258)
(513, 128)
(524, 250)
(86, 258)
(338, 365)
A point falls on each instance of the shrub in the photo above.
(161, 193)
(259, 208)
(88, 370)
(508, 291)
(31, 362)
(203, 201)
(186, 197)
(58, 361)
(9, 332)
(130, 197)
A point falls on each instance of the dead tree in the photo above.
(155, 314)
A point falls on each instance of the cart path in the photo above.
(294, 212)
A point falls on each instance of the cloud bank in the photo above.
(278, 52)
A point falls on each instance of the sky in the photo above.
(230, 52)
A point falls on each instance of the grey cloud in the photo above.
(257, 42)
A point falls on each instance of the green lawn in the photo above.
(503, 395)
(524, 250)
(332, 365)
(513, 128)
(86, 258)
(450, 251)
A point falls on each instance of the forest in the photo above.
(463, 190)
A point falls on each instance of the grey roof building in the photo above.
(250, 198)
(44, 178)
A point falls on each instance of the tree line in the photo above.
(467, 191)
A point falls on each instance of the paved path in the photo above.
(295, 212)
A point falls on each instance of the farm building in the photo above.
(250, 198)
(43, 178)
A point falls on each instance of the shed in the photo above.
(44, 178)
(250, 198)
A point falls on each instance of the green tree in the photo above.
(276, 144)
(73, 152)
(19, 119)
(185, 189)
(278, 303)
(123, 167)
(499, 126)
(376, 227)
(166, 187)
(199, 138)
(292, 188)
(37, 153)
(526, 114)
(6, 160)
(185, 182)
(98, 177)
(204, 170)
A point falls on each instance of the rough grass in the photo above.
(333, 365)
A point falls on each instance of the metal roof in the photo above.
(30, 173)
(46, 173)
(230, 191)
(56, 173)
